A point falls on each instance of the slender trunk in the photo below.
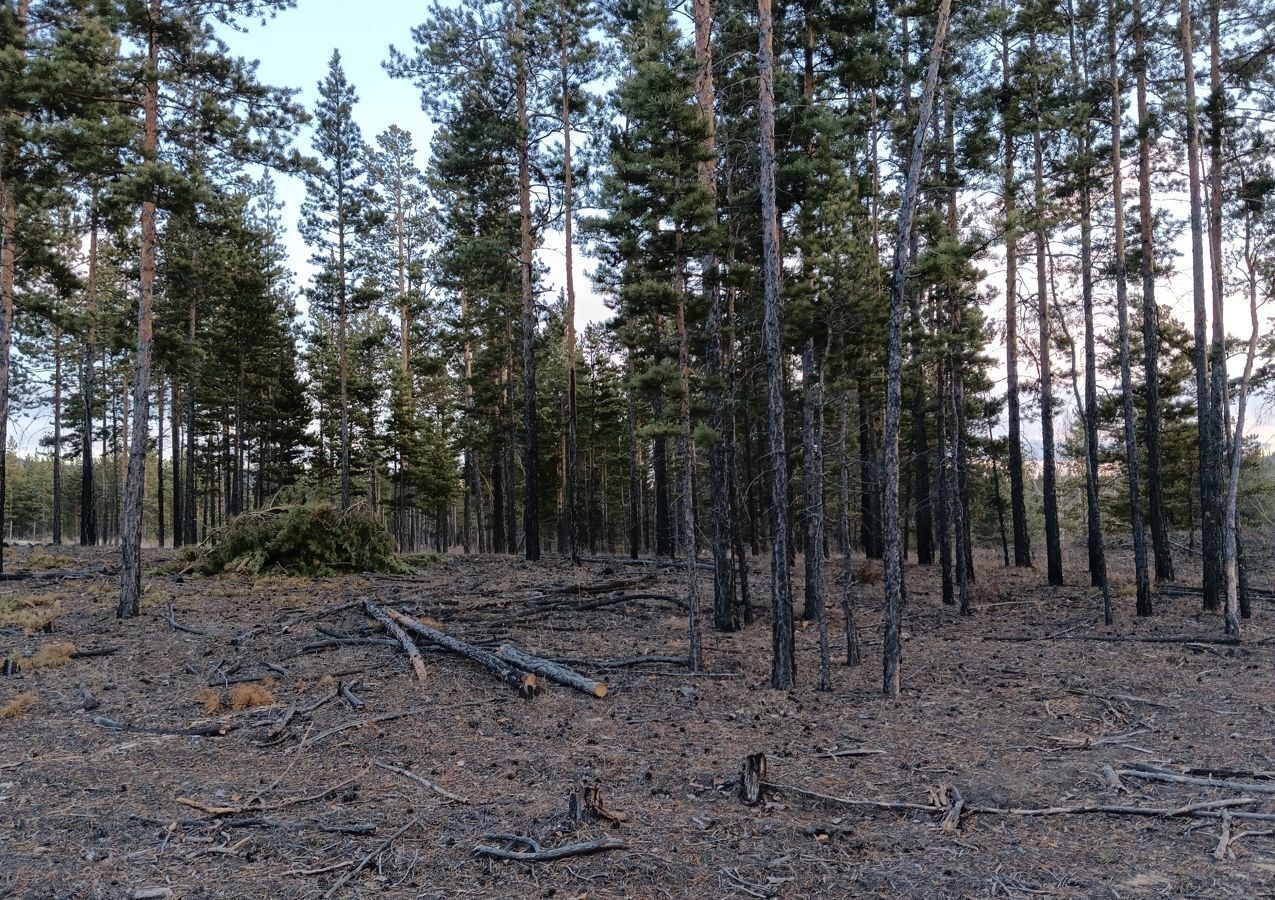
(893, 545)
(1000, 500)
(635, 475)
(57, 434)
(947, 491)
(812, 454)
(725, 611)
(135, 489)
(1018, 505)
(159, 463)
(88, 508)
(568, 200)
(174, 428)
(1230, 519)
(526, 263)
(783, 670)
(1122, 307)
(1053, 537)
(1150, 312)
(1217, 350)
(1210, 492)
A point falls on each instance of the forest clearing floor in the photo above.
(1014, 706)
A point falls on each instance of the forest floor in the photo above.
(1016, 706)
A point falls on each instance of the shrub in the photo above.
(248, 696)
(310, 539)
(17, 706)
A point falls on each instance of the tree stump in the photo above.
(752, 778)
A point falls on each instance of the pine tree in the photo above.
(333, 216)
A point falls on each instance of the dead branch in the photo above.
(268, 807)
(408, 645)
(585, 848)
(442, 792)
(348, 696)
(376, 851)
(1151, 773)
(215, 730)
(178, 626)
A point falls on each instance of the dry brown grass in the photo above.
(209, 699)
(39, 561)
(31, 614)
(248, 696)
(49, 656)
(17, 706)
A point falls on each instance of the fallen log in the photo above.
(551, 670)
(525, 682)
(408, 645)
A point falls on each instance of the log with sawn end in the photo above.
(525, 682)
(547, 668)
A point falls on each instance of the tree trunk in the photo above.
(159, 463)
(1217, 350)
(1150, 313)
(526, 263)
(893, 544)
(57, 434)
(88, 508)
(1210, 491)
(135, 488)
(568, 200)
(1231, 512)
(1053, 537)
(1122, 307)
(783, 669)
(1018, 506)
(812, 482)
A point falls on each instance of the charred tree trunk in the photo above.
(526, 265)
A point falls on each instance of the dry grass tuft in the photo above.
(152, 597)
(209, 699)
(32, 614)
(327, 681)
(49, 656)
(17, 706)
(39, 561)
(248, 696)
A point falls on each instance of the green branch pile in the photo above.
(308, 539)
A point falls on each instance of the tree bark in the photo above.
(783, 667)
(1217, 349)
(1018, 506)
(526, 264)
(1150, 313)
(1053, 537)
(135, 487)
(1122, 307)
(568, 212)
(88, 506)
(893, 544)
(1210, 491)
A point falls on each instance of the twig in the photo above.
(178, 626)
(376, 851)
(851, 751)
(442, 792)
(1189, 809)
(282, 804)
(215, 730)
